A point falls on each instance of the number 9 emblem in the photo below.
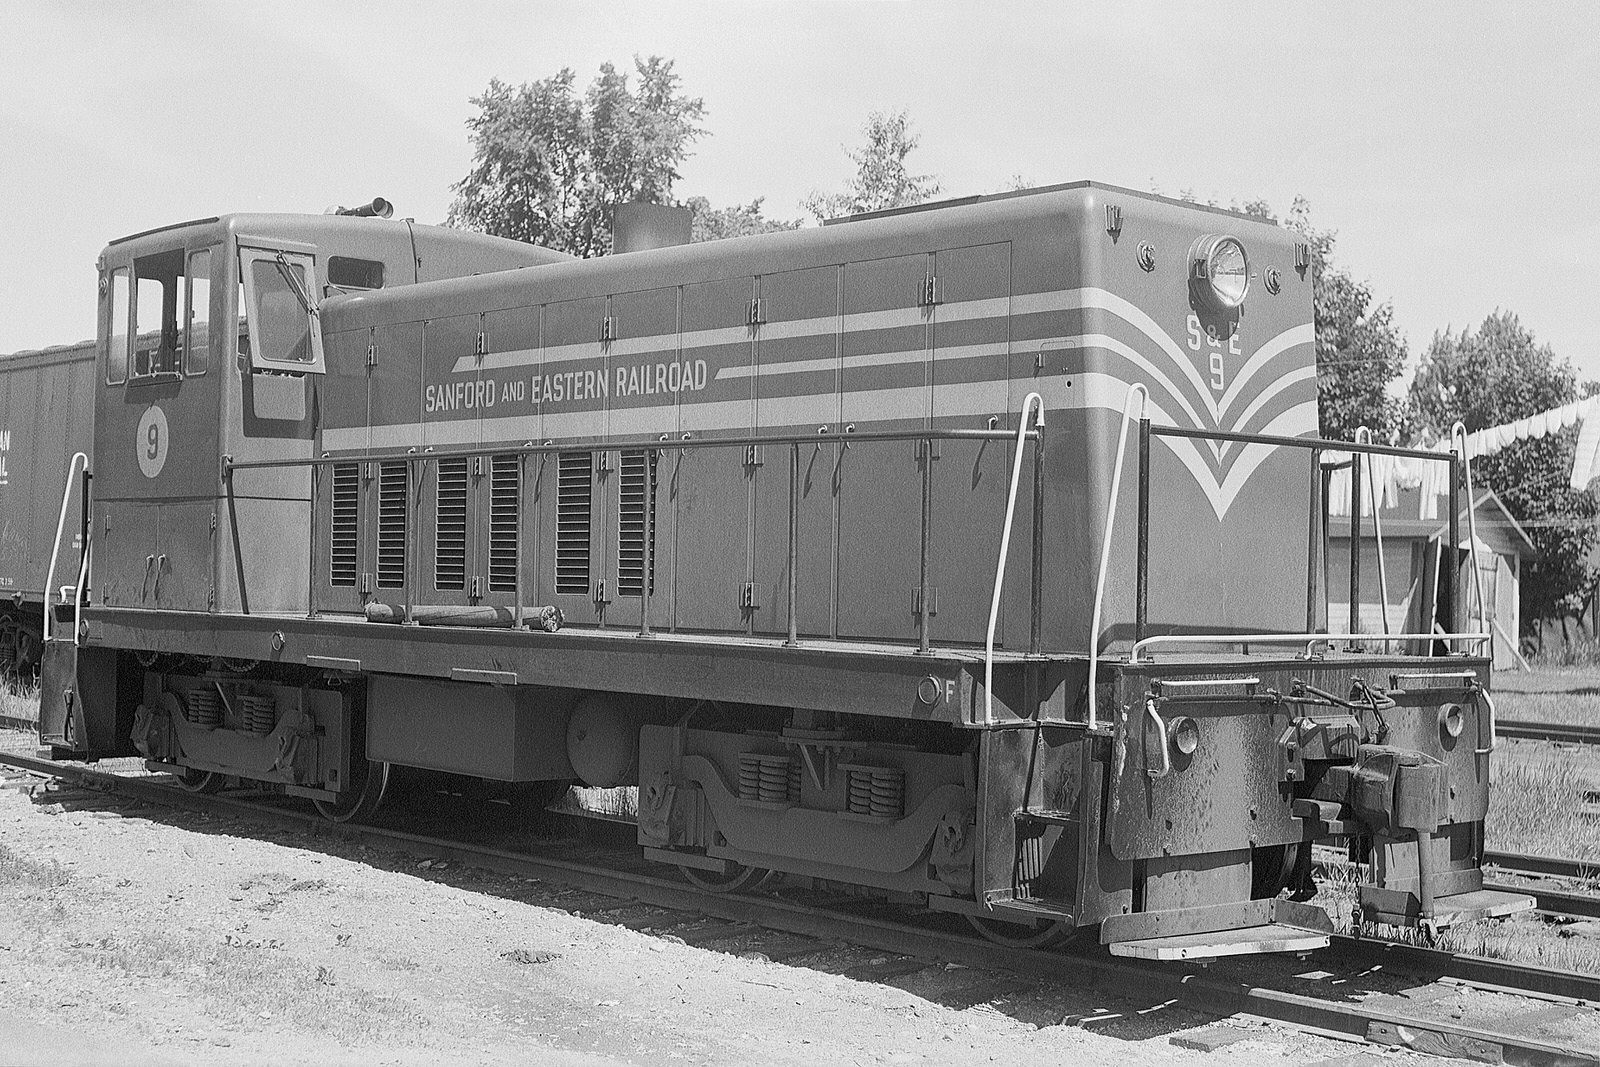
(150, 441)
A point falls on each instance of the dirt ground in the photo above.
(161, 937)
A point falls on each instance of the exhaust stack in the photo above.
(378, 209)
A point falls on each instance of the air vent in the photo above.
(574, 490)
(505, 511)
(630, 524)
(394, 509)
(346, 525)
(450, 526)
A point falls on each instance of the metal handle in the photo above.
(1488, 702)
(77, 464)
(1161, 729)
(161, 565)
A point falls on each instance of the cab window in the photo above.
(197, 317)
(157, 297)
(283, 314)
(117, 329)
(346, 273)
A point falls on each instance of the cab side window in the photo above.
(197, 320)
(347, 274)
(157, 296)
(117, 329)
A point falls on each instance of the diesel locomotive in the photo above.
(973, 554)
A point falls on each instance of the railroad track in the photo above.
(611, 884)
(1564, 733)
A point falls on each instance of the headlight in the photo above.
(1219, 271)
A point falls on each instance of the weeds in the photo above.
(621, 801)
(237, 979)
(21, 871)
(1539, 807)
(19, 700)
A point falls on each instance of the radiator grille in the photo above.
(505, 512)
(630, 524)
(574, 489)
(450, 526)
(394, 509)
(346, 524)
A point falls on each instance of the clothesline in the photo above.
(1392, 474)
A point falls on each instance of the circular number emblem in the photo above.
(150, 443)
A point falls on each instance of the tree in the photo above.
(741, 220)
(1359, 348)
(550, 167)
(881, 180)
(1500, 374)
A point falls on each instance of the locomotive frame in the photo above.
(788, 451)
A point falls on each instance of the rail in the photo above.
(416, 461)
(1035, 403)
(1139, 390)
(1308, 640)
(1377, 528)
(1458, 432)
(77, 467)
(1316, 537)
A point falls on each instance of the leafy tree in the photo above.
(549, 167)
(1500, 374)
(740, 220)
(881, 180)
(1359, 348)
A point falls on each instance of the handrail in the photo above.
(75, 468)
(1377, 525)
(1320, 443)
(1105, 546)
(1032, 402)
(1459, 431)
(528, 448)
(1288, 639)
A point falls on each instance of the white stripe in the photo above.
(1291, 338)
(868, 359)
(724, 335)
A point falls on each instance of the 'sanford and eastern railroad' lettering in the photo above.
(640, 379)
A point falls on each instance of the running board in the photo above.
(1247, 927)
(1401, 908)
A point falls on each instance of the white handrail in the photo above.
(1289, 639)
(75, 466)
(1459, 430)
(1105, 546)
(1031, 402)
(1377, 526)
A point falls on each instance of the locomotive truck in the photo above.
(972, 554)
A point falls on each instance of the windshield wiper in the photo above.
(305, 298)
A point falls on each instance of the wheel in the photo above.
(364, 796)
(530, 798)
(197, 781)
(739, 879)
(1022, 934)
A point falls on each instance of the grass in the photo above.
(246, 980)
(19, 700)
(1570, 696)
(20, 871)
(621, 801)
(1537, 807)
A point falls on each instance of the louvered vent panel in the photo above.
(630, 524)
(450, 526)
(394, 510)
(346, 525)
(505, 512)
(574, 487)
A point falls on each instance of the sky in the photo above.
(1454, 148)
